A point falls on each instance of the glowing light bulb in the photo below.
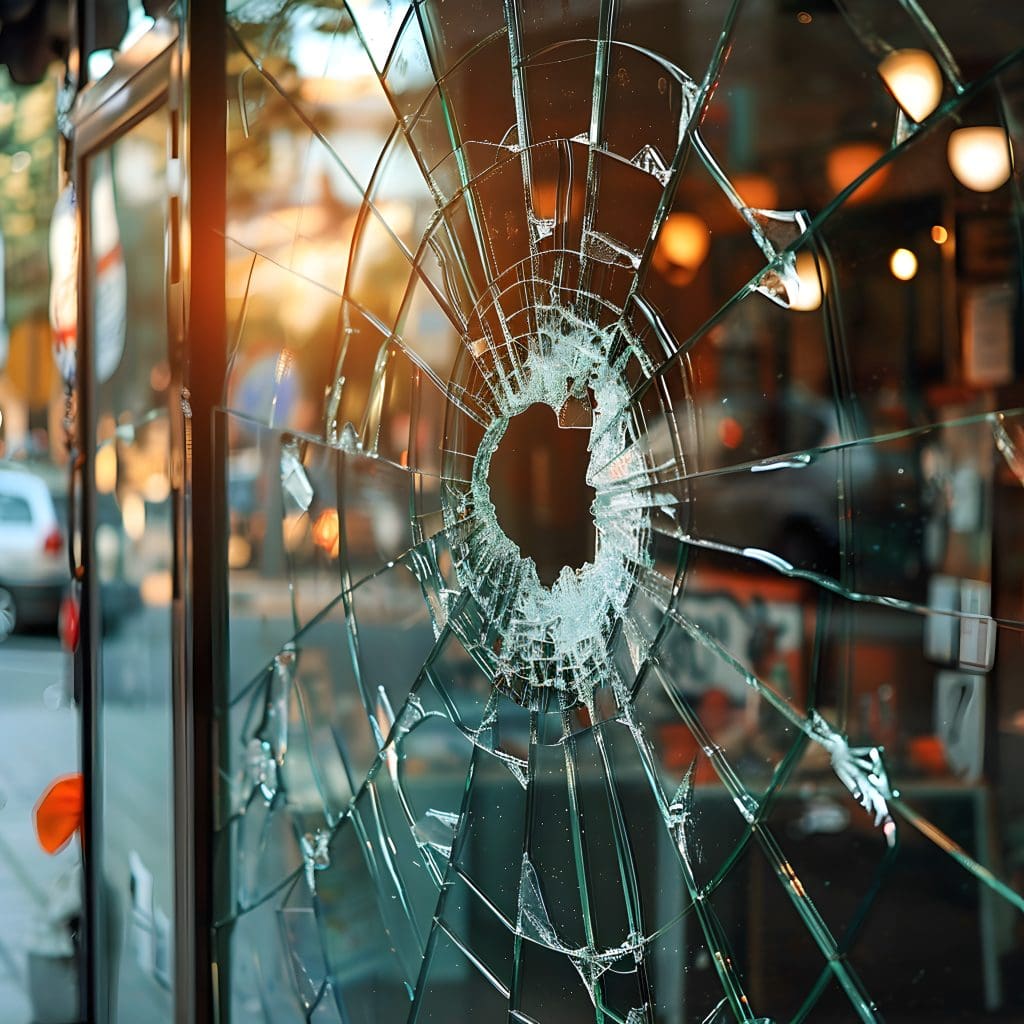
(327, 532)
(914, 79)
(133, 516)
(808, 294)
(105, 469)
(903, 264)
(939, 234)
(979, 157)
(157, 589)
(685, 240)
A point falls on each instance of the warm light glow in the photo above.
(293, 526)
(544, 199)
(914, 79)
(327, 532)
(808, 295)
(133, 515)
(106, 469)
(979, 157)
(903, 264)
(157, 488)
(849, 161)
(302, 308)
(757, 191)
(332, 92)
(684, 240)
(106, 427)
(939, 234)
(239, 552)
(157, 589)
(160, 376)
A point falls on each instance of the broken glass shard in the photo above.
(618, 718)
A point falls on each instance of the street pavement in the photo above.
(38, 742)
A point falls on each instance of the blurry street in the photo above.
(38, 742)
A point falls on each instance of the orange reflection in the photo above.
(59, 813)
(682, 247)
(849, 161)
(327, 532)
(757, 191)
(730, 433)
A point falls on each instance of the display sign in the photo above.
(110, 281)
(110, 284)
(64, 282)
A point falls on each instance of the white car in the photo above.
(33, 554)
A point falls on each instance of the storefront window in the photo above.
(134, 552)
(623, 452)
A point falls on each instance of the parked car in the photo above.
(33, 554)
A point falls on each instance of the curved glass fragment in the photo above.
(736, 757)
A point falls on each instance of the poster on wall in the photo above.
(988, 334)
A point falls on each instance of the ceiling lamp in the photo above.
(979, 157)
(914, 79)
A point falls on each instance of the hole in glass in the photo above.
(538, 483)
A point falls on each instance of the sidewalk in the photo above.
(38, 742)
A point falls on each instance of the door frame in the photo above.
(174, 61)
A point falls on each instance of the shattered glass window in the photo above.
(621, 432)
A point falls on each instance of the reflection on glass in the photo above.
(980, 157)
(615, 464)
(133, 548)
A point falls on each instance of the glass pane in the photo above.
(40, 887)
(624, 449)
(134, 554)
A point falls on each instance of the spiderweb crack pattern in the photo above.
(509, 810)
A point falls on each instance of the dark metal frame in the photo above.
(201, 281)
(167, 68)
